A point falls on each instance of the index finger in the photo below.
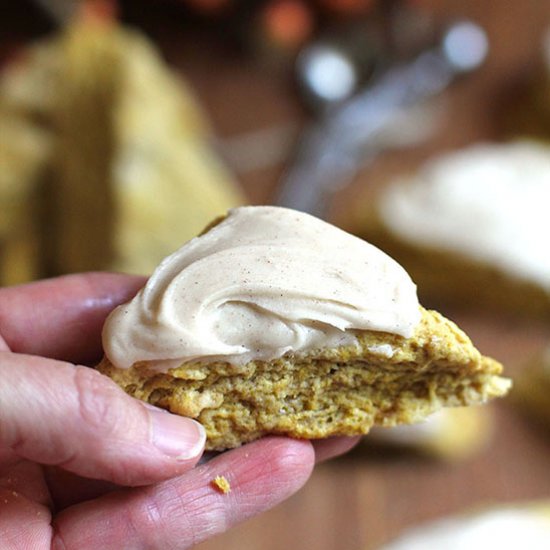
(61, 318)
(185, 510)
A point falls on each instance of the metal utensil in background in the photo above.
(333, 148)
(330, 69)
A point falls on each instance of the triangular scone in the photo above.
(471, 219)
(107, 151)
(275, 322)
(135, 166)
(523, 524)
(386, 380)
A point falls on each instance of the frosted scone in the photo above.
(471, 227)
(273, 321)
(507, 527)
(106, 150)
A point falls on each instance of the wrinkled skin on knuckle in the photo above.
(100, 402)
(209, 516)
(178, 515)
(152, 523)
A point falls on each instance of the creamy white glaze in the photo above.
(510, 528)
(263, 282)
(488, 202)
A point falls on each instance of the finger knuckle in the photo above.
(147, 520)
(99, 400)
(174, 518)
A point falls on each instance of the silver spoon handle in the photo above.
(331, 151)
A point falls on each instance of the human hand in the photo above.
(85, 466)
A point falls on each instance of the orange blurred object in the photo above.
(288, 23)
(100, 10)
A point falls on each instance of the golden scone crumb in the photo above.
(221, 484)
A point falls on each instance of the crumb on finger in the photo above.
(221, 484)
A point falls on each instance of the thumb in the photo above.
(74, 417)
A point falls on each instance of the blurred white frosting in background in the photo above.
(488, 202)
(511, 528)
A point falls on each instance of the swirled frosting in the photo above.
(263, 282)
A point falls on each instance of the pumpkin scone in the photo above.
(524, 524)
(105, 154)
(275, 322)
(471, 227)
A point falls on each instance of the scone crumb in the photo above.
(221, 484)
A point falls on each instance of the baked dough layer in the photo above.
(385, 380)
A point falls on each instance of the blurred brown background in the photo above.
(365, 499)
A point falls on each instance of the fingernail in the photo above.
(176, 436)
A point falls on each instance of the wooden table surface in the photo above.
(359, 502)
